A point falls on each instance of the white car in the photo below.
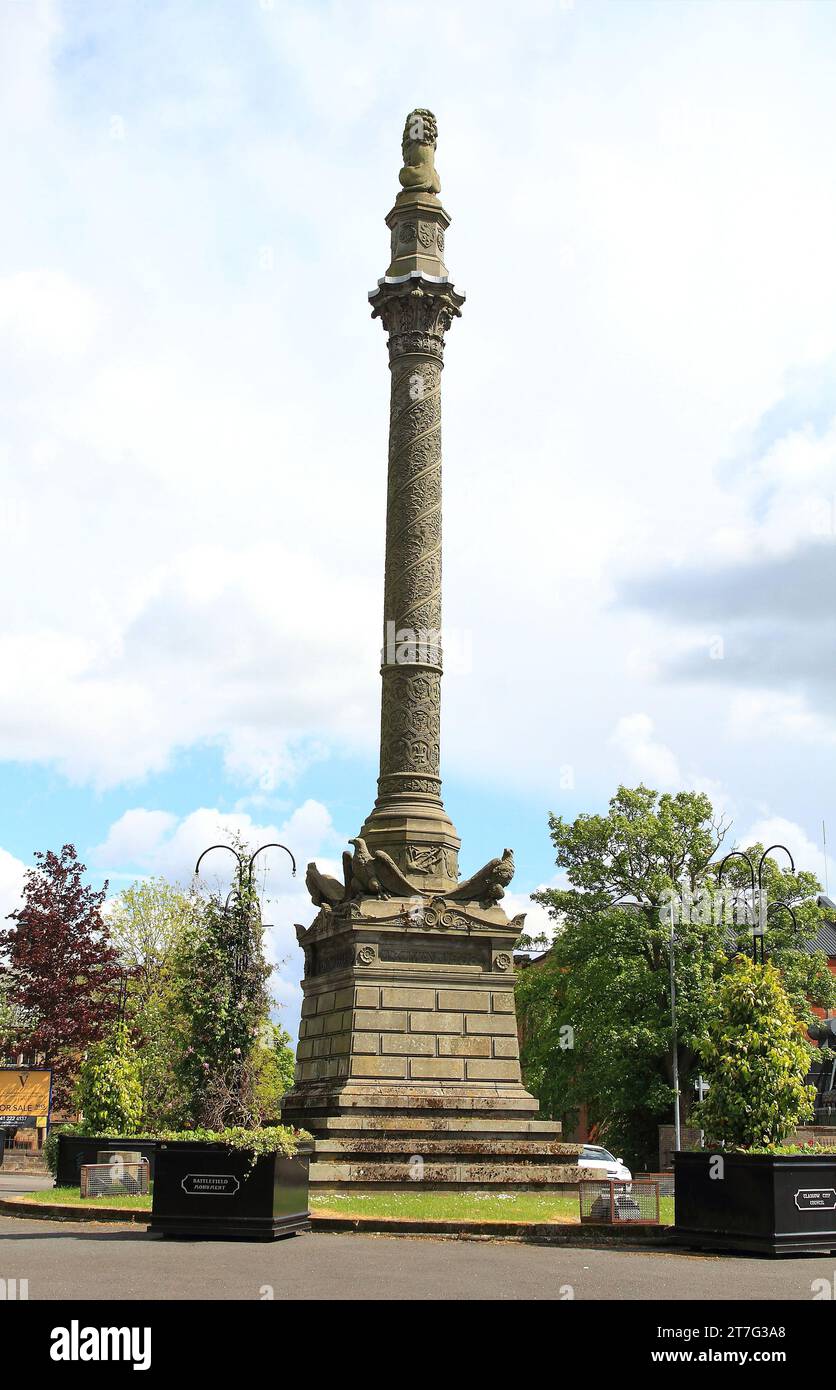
(592, 1156)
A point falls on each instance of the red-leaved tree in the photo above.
(63, 972)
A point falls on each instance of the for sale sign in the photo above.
(24, 1092)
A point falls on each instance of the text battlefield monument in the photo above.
(408, 1043)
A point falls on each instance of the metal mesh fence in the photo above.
(666, 1182)
(603, 1201)
(115, 1179)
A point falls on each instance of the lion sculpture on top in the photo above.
(420, 135)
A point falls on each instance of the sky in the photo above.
(639, 422)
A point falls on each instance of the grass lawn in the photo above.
(71, 1197)
(460, 1206)
(429, 1206)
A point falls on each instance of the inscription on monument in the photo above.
(328, 957)
(439, 953)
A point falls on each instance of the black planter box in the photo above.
(205, 1189)
(763, 1203)
(74, 1150)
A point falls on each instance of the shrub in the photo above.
(109, 1090)
(755, 1060)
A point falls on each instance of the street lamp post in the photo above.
(245, 866)
(677, 1123)
(756, 876)
(244, 885)
(122, 1004)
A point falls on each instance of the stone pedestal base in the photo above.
(436, 1141)
(408, 1064)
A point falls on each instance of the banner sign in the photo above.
(23, 1093)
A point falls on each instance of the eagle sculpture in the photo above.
(487, 886)
(366, 874)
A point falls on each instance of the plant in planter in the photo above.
(755, 1061)
(109, 1089)
(250, 1184)
(745, 1191)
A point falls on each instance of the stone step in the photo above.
(433, 1124)
(324, 1174)
(505, 1101)
(524, 1147)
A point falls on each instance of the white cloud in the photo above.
(195, 438)
(647, 758)
(30, 33)
(135, 838)
(807, 854)
(158, 843)
(44, 312)
(765, 716)
(537, 919)
(12, 871)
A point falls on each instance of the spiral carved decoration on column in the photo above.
(416, 316)
(412, 596)
(416, 304)
(411, 705)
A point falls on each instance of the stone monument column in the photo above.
(408, 1040)
(416, 303)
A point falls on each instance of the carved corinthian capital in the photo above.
(416, 313)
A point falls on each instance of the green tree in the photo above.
(273, 1065)
(595, 1014)
(109, 1090)
(148, 923)
(15, 1021)
(596, 1024)
(755, 1060)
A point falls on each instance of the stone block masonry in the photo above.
(362, 1031)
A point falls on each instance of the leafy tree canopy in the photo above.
(149, 922)
(63, 973)
(595, 1013)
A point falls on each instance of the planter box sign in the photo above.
(816, 1199)
(207, 1189)
(766, 1203)
(210, 1184)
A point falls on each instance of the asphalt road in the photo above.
(83, 1260)
(13, 1184)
